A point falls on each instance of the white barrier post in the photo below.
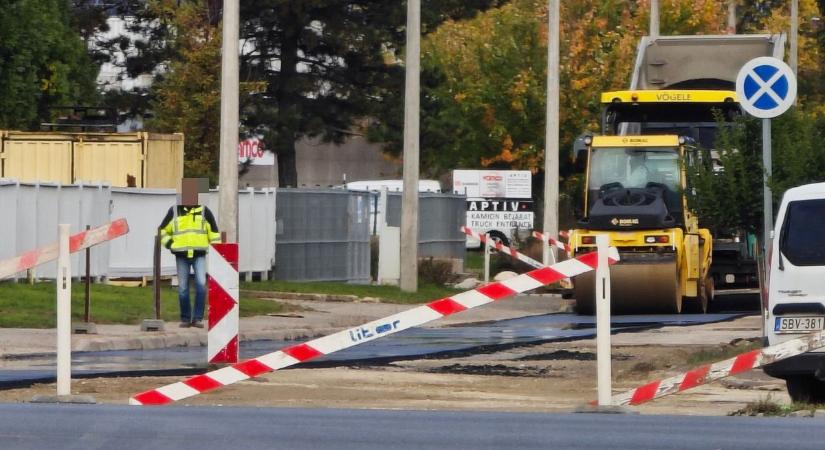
(64, 313)
(545, 251)
(603, 322)
(487, 251)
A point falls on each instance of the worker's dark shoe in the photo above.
(185, 324)
(197, 323)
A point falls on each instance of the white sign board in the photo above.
(252, 150)
(506, 222)
(493, 183)
(766, 87)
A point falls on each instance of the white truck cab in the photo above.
(796, 289)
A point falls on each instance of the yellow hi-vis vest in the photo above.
(189, 233)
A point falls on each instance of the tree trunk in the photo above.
(288, 107)
(287, 172)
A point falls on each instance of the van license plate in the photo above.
(798, 324)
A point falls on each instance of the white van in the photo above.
(796, 289)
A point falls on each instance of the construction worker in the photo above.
(188, 230)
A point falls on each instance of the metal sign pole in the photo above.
(545, 249)
(767, 199)
(487, 249)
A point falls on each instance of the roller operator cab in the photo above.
(796, 292)
(635, 194)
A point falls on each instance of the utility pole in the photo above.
(654, 19)
(551, 132)
(228, 170)
(731, 16)
(794, 35)
(409, 204)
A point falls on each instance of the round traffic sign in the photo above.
(766, 87)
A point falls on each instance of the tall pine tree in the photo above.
(326, 65)
(43, 62)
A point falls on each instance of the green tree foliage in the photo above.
(325, 65)
(43, 62)
(798, 145)
(187, 98)
(485, 79)
(729, 198)
(313, 68)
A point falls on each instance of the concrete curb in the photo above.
(275, 295)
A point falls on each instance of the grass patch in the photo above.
(474, 260)
(769, 408)
(765, 407)
(716, 354)
(33, 306)
(426, 291)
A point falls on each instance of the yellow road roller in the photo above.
(634, 193)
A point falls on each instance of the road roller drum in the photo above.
(641, 284)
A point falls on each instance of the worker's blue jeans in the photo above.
(198, 264)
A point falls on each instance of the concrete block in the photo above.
(607, 409)
(84, 328)
(76, 399)
(152, 325)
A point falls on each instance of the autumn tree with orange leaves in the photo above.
(485, 78)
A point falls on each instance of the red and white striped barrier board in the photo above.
(223, 285)
(551, 241)
(502, 248)
(711, 372)
(370, 331)
(564, 234)
(77, 242)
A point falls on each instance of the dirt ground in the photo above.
(546, 377)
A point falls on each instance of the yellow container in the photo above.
(137, 159)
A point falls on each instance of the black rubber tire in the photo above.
(805, 389)
(500, 237)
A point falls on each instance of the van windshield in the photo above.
(802, 239)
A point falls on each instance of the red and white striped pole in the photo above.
(351, 337)
(223, 286)
(502, 248)
(550, 241)
(77, 242)
(712, 372)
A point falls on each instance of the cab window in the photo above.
(802, 239)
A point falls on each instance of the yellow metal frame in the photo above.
(635, 141)
(630, 238)
(692, 250)
(669, 96)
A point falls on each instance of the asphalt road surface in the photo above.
(90, 427)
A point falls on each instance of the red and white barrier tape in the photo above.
(373, 330)
(77, 242)
(546, 238)
(223, 284)
(502, 248)
(711, 372)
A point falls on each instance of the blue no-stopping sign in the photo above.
(766, 87)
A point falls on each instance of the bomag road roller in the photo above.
(634, 193)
